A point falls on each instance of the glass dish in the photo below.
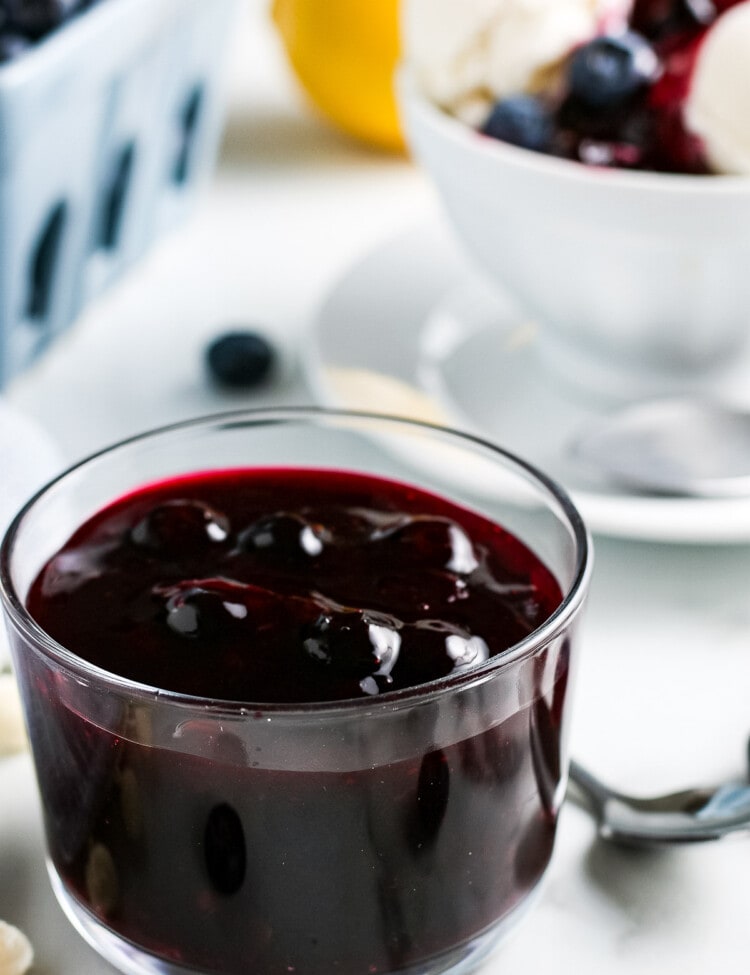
(401, 833)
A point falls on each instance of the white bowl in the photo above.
(639, 282)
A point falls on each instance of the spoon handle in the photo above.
(585, 789)
(636, 827)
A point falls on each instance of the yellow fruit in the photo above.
(344, 53)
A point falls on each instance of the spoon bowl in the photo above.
(689, 816)
(680, 447)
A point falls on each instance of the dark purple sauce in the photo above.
(280, 587)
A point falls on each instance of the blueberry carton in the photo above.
(108, 125)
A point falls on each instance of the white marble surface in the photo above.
(664, 692)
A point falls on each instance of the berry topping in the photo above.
(438, 542)
(207, 609)
(609, 70)
(284, 536)
(240, 359)
(620, 136)
(521, 120)
(355, 587)
(180, 527)
(428, 592)
(357, 645)
(627, 98)
(660, 19)
(444, 648)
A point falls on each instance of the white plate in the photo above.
(412, 329)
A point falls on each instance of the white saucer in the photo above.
(413, 330)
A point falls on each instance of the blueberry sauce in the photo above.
(291, 587)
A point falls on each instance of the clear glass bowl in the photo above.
(401, 833)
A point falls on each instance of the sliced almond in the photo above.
(16, 953)
(12, 731)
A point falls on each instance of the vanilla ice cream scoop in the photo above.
(464, 51)
(718, 103)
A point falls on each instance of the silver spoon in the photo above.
(680, 817)
(689, 446)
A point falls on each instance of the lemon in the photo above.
(344, 53)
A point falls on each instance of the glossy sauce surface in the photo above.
(289, 586)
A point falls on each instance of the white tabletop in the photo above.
(662, 699)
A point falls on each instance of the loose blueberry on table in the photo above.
(240, 359)
(296, 587)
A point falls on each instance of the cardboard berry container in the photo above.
(108, 126)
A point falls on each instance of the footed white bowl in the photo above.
(639, 282)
